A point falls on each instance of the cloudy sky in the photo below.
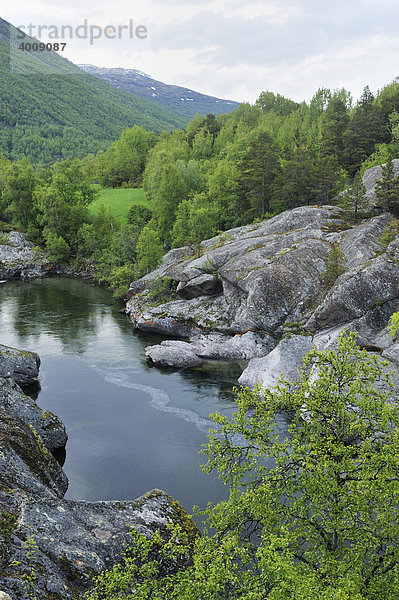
(234, 49)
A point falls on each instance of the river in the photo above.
(131, 427)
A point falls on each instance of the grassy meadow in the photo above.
(119, 200)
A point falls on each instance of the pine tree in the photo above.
(364, 131)
(335, 123)
(258, 169)
(387, 189)
(355, 201)
(297, 179)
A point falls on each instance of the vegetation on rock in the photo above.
(311, 514)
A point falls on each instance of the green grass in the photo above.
(119, 200)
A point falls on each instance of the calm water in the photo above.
(131, 427)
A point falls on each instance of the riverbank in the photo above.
(71, 540)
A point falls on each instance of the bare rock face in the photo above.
(371, 176)
(22, 366)
(262, 276)
(252, 285)
(284, 359)
(74, 540)
(49, 427)
(173, 354)
(18, 258)
(368, 289)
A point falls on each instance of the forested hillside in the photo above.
(218, 173)
(259, 160)
(50, 109)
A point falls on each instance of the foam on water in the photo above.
(160, 400)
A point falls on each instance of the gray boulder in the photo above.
(372, 175)
(215, 346)
(179, 355)
(239, 347)
(285, 359)
(20, 365)
(49, 427)
(371, 289)
(18, 258)
(361, 243)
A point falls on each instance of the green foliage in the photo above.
(335, 265)
(18, 184)
(297, 183)
(143, 573)
(196, 220)
(162, 290)
(30, 575)
(120, 278)
(257, 170)
(390, 233)
(171, 191)
(394, 325)
(124, 161)
(57, 248)
(149, 250)
(268, 101)
(355, 202)
(312, 513)
(59, 112)
(139, 215)
(387, 188)
(8, 522)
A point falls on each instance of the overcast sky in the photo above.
(234, 49)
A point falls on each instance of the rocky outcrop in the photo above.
(284, 359)
(50, 428)
(254, 285)
(268, 274)
(19, 258)
(74, 540)
(214, 346)
(173, 354)
(20, 365)
(370, 178)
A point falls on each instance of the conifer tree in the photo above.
(387, 189)
(355, 200)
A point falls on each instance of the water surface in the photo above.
(131, 427)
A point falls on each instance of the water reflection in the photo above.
(131, 427)
(60, 308)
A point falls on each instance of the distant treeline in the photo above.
(217, 174)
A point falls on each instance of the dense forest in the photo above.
(216, 174)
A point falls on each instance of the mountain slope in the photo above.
(50, 109)
(186, 101)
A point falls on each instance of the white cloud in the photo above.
(233, 49)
